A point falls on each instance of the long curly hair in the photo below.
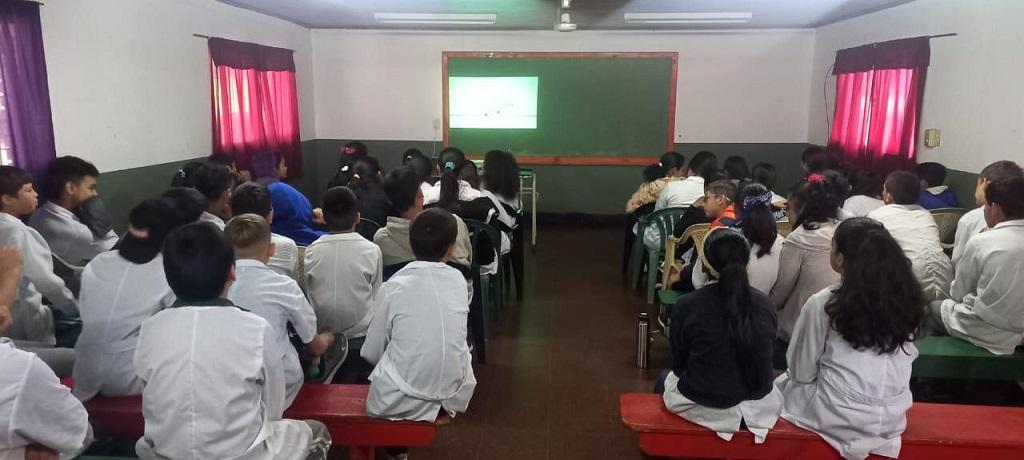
(501, 174)
(879, 305)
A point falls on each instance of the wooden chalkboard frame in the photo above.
(564, 159)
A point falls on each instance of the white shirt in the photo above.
(856, 400)
(761, 271)
(279, 300)
(35, 408)
(417, 339)
(970, 224)
(344, 271)
(68, 237)
(861, 205)
(915, 230)
(986, 305)
(116, 297)
(286, 256)
(757, 415)
(33, 321)
(432, 193)
(676, 194)
(206, 216)
(504, 217)
(213, 380)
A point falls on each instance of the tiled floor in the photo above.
(558, 360)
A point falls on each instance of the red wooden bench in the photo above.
(341, 407)
(934, 432)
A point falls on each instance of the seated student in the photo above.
(417, 337)
(916, 232)
(764, 174)
(273, 296)
(852, 347)
(403, 189)
(368, 185)
(214, 181)
(973, 222)
(669, 168)
(736, 170)
(422, 166)
(33, 320)
(721, 339)
(228, 161)
(804, 259)
(986, 304)
(344, 272)
(254, 198)
(120, 290)
(865, 193)
(683, 193)
(935, 194)
(68, 183)
(451, 160)
(293, 214)
(229, 403)
(715, 208)
(351, 152)
(501, 186)
(39, 418)
(189, 204)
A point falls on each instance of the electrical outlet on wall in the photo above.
(679, 137)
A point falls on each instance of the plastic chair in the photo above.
(784, 227)
(667, 296)
(492, 297)
(947, 219)
(664, 221)
(70, 273)
(367, 228)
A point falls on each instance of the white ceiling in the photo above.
(542, 14)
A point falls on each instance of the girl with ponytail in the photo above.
(852, 348)
(721, 337)
(669, 168)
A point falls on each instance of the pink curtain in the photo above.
(879, 90)
(255, 104)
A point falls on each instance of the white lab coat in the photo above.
(676, 194)
(432, 193)
(36, 409)
(279, 300)
(505, 218)
(206, 216)
(761, 271)
(214, 386)
(915, 230)
(116, 297)
(861, 205)
(986, 306)
(33, 321)
(970, 224)
(344, 272)
(856, 400)
(417, 339)
(286, 256)
(758, 415)
(68, 237)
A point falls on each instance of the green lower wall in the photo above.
(601, 190)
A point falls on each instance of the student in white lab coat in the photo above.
(214, 181)
(120, 290)
(214, 383)
(33, 321)
(450, 159)
(865, 193)
(682, 193)
(275, 297)
(915, 230)
(973, 222)
(852, 348)
(344, 272)
(417, 336)
(68, 183)
(38, 416)
(986, 306)
(254, 198)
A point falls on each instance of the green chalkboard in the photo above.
(588, 104)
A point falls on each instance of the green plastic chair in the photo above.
(664, 221)
(491, 294)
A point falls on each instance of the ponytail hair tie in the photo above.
(815, 178)
(449, 165)
(348, 150)
(659, 164)
(181, 173)
(749, 202)
(344, 168)
(140, 233)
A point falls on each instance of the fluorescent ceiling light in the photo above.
(688, 18)
(436, 18)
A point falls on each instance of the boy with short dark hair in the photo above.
(254, 198)
(417, 336)
(214, 181)
(934, 193)
(229, 402)
(915, 230)
(973, 222)
(69, 183)
(275, 297)
(33, 321)
(986, 304)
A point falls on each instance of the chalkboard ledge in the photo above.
(556, 160)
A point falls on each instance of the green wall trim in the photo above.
(963, 184)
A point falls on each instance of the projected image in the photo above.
(492, 102)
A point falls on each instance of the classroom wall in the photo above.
(130, 84)
(972, 92)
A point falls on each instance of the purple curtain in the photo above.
(27, 130)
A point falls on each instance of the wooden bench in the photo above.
(934, 432)
(342, 408)
(953, 358)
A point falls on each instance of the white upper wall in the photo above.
(130, 85)
(973, 90)
(739, 87)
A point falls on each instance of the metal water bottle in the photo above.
(643, 340)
